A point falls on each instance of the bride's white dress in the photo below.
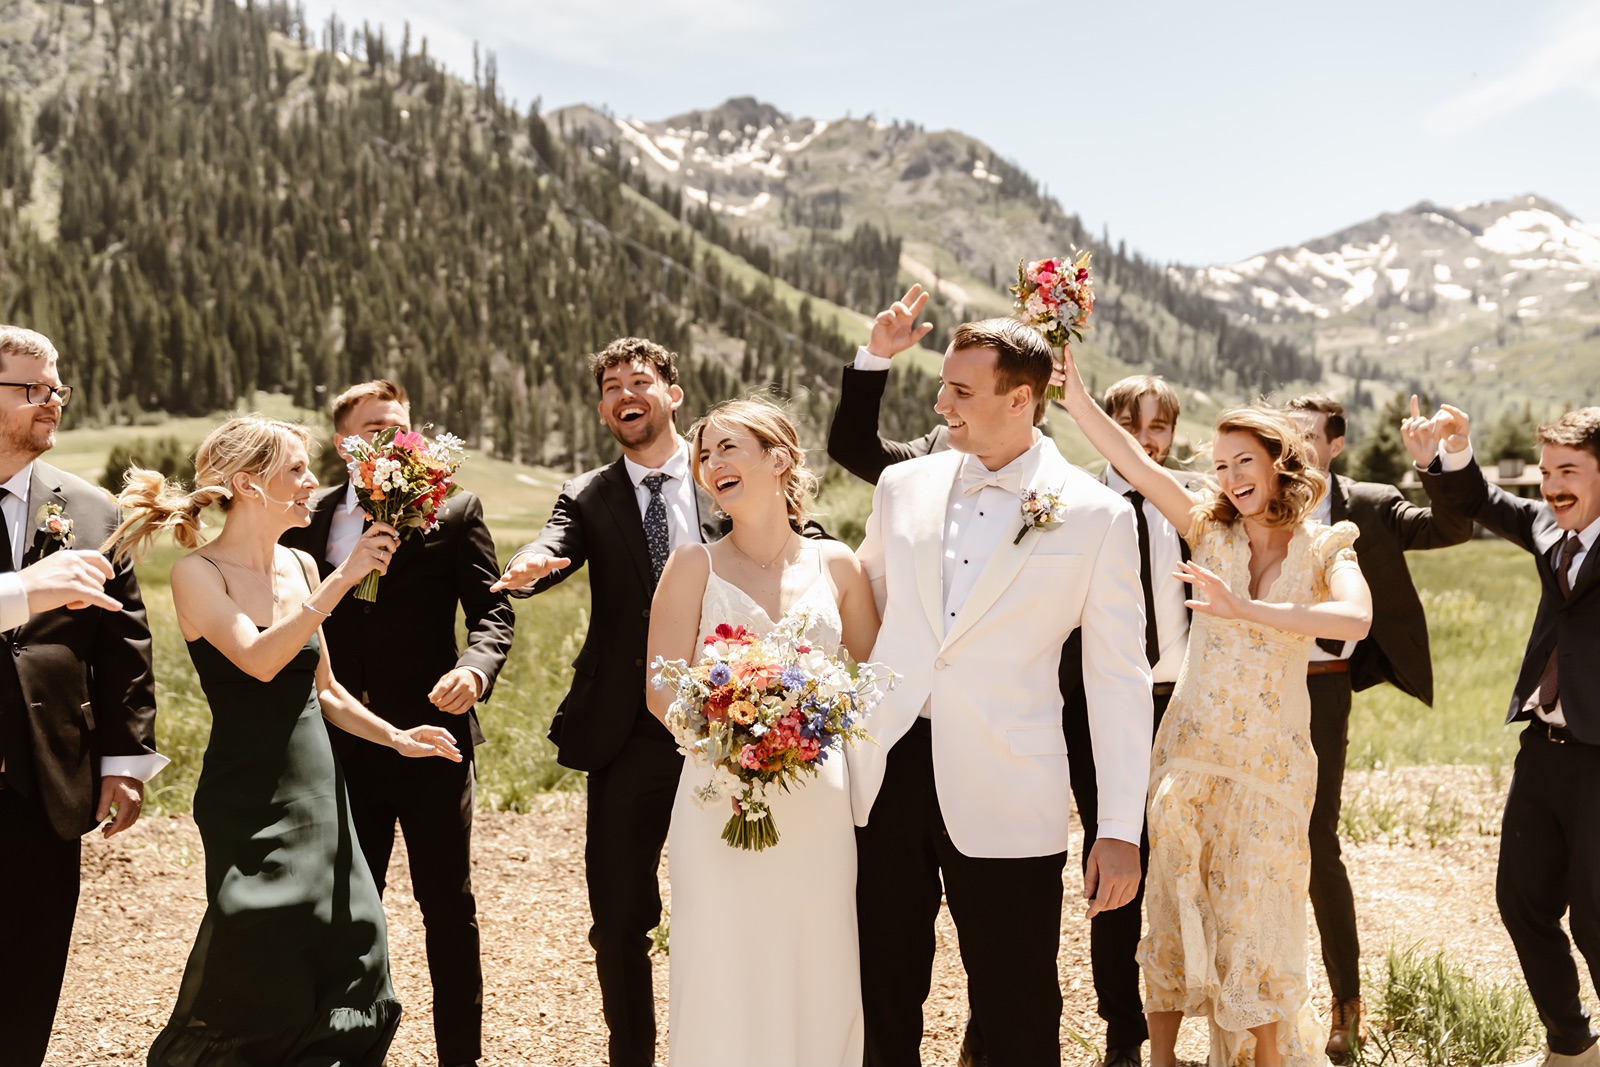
(764, 963)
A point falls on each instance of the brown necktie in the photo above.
(1549, 690)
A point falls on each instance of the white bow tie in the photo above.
(974, 476)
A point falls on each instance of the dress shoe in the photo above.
(1589, 1057)
(1128, 1056)
(1345, 1031)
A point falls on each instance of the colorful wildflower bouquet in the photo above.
(762, 714)
(1055, 296)
(402, 478)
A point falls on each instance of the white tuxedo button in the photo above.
(938, 664)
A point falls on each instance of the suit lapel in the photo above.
(617, 492)
(1007, 560)
(1338, 503)
(1588, 572)
(44, 488)
(323, 505)
(929, 504)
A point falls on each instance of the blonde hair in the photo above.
(1300, 484)
(774, 432)
(250, 444)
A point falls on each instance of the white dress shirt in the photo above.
(683, 513)
(14, 510)
(1323, 513)
(867, 361)
(1169, 593)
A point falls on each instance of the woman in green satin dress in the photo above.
(291, 963)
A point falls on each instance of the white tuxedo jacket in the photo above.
(991, 677)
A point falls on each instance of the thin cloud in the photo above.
(1569, 58)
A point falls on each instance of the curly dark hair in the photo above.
(632, 350)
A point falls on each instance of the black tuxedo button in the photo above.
(638, 663)
(366, 609)
(647, 613)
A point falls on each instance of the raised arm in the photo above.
(853, 438)
(1345, 616)
(675, 619)
(1159, 485)
(1456, 485)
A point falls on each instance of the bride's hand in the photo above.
(1219, 599)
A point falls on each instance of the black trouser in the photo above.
(1331, 899)
(1549, 863)
(38, 900)
(630, 806)
(432, 801)
(1007, 914)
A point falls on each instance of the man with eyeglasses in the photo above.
(77, 699)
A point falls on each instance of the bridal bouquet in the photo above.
(1055, 296)
(402, 478)
(763, 713)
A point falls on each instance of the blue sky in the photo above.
(1199, 133)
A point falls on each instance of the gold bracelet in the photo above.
(313, 607)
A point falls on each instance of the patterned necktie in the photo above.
(1549, 690)
(655, 525)
(1152, 638)
(7, 559)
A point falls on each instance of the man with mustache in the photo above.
(1549, 865)
(1396, 651)
(77, 699)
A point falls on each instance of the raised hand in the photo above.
(70, 580)
(1071, 382)
(1421, 436)
(427, 741)
(1219, 599)
(1454, 428)
(372, 553)
(896, 329)
(528, 568)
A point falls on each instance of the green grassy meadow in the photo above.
(1480, 599)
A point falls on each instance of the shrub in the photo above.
(1430, 1010)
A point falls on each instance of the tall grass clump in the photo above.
(1430, 1010)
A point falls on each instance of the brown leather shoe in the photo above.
(1344, 1033)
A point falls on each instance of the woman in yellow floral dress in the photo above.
(1233, 773)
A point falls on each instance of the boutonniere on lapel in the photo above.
(54, 524)
(1040, 511)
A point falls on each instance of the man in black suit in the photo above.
(1148, 408)
(1549, 863)
(1395, 651)
(77, 700)
(428, 682)
(622, 519)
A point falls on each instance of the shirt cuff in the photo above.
(143, 768)
(867, 361)
(1455, 461)
(13, 601)
(483, 681)
(1118, 831)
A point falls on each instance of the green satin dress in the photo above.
(291, 963)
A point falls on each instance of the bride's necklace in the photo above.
(782, 549)
(271, 587)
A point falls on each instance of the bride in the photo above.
(764, 961)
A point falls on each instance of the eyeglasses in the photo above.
(41, 392)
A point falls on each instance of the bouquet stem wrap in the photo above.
(402, 478)
(763, 714)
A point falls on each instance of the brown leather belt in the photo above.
(1551, 732)
(1327, 666)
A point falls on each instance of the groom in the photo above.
(968, 782)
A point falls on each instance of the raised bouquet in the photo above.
(1055, 296)
(763, 714)
(402, 478)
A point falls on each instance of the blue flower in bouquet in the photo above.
(794, 677)
(813, 726)
(719, 674)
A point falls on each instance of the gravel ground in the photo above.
(1423, 872)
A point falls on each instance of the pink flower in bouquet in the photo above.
(763, 675)
(808, 748)
(749, 758)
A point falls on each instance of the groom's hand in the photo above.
(1112, 876)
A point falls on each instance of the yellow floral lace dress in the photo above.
(1231, 785)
